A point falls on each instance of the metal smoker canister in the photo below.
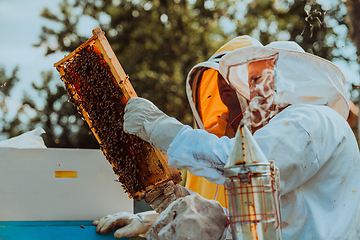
(252, 184)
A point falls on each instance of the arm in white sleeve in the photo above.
(289, 139)
(200, 152)
(190, 150)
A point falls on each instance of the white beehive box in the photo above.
(63, 187)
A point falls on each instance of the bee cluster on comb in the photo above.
(98, 95)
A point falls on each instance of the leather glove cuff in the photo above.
(161, 197)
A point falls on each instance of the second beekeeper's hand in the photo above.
(189, 218)
(143, 119)
(129, 224)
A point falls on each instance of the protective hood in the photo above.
(201, 84)
(299, 77)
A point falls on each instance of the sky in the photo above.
(20, 28)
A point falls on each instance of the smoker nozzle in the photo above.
(245, 149)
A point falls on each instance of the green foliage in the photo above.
(6, 85)
(302, 21)
(354, 34)
(158, 42)
(63, 125)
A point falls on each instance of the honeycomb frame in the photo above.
(149, 166)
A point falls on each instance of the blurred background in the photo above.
(157, 42)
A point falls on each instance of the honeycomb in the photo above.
(99, 88)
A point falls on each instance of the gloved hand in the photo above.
(192, 217)
(130, 224)
(160, 197)
(143, 119)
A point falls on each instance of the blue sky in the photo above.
(20, 27)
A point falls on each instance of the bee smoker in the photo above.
(252, 191)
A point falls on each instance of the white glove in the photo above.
(143, 119)
(130, 224)
(190, 217)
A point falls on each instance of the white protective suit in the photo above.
(312, 145)
(310, 142)
(318, 158)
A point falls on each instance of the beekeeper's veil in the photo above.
(206, 104)
(299, 77)
(201, 84)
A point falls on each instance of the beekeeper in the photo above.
(217, 109)
(297, 111)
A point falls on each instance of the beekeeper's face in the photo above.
(224, 90)
(260, 81)
(262, 93)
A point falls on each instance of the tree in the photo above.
(158, 42)
(10, 128)
(58, 117)
(157, 56)
(353, 20)
(309, 24)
